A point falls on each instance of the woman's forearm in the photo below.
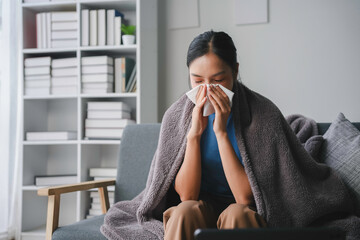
(234, 171)
(188, 179)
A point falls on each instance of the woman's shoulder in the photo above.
(259, 101)
(261, 109)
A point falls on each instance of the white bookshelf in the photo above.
(68, 112)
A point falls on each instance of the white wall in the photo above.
(306, 59)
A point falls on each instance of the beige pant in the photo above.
(181, 221)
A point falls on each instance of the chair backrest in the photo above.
(137, 148)
(324, 126)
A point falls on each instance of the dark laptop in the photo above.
(271, 233)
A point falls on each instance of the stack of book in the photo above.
(56, 29)
(95, 208)
(51, 136)
(125, 75)
(101, 27)
(101, 174)
(37, 76)
(51, 180)
(64, 76)
(106, 120)
(97, 74)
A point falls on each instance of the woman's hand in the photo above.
(199, 122)
(221, 104)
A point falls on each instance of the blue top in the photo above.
(213, 178)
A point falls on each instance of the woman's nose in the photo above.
(207, 81)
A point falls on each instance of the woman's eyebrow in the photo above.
(214, 75)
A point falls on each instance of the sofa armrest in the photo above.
(53, 194)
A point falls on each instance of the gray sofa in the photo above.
(137, 147)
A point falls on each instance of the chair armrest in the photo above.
(53, 194)
(75, 187)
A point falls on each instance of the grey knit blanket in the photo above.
(306, 131)
(290, 188)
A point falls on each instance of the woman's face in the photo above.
(210, 69)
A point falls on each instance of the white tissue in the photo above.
(208, 107)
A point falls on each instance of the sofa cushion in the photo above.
(88, 229)
(341, 151)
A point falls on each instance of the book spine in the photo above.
(110, 27)
(48, 29)
(97, 60)
(64, 43)
(101, 27)
(64, 90)
(93, 28)
(118, 75)
(60, 35)
(97, 78)
(43, 30)
(105, 69)
(39, 83)
(37, 71)
(118, 106)
(131, 79)
(85, 27)
(63, 16)
(64, 72)
(123, 75)
(117, 30)
(38, 30)
(63, 26)
(37, 62)
(64, 62)
(97, 85)
(63, 81)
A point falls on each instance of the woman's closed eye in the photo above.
(219, 80)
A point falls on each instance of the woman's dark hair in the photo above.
(220, 43)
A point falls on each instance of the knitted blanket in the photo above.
(307, 132)
(290, 188)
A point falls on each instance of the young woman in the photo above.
(240, 167)
(212, 180)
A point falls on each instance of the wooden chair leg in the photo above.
(104, 199)
(52, 221)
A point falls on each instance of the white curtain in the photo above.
(10, 127)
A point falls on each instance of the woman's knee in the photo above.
(190, 208)
(239, 216)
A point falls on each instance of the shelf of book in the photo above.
(68, 111)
